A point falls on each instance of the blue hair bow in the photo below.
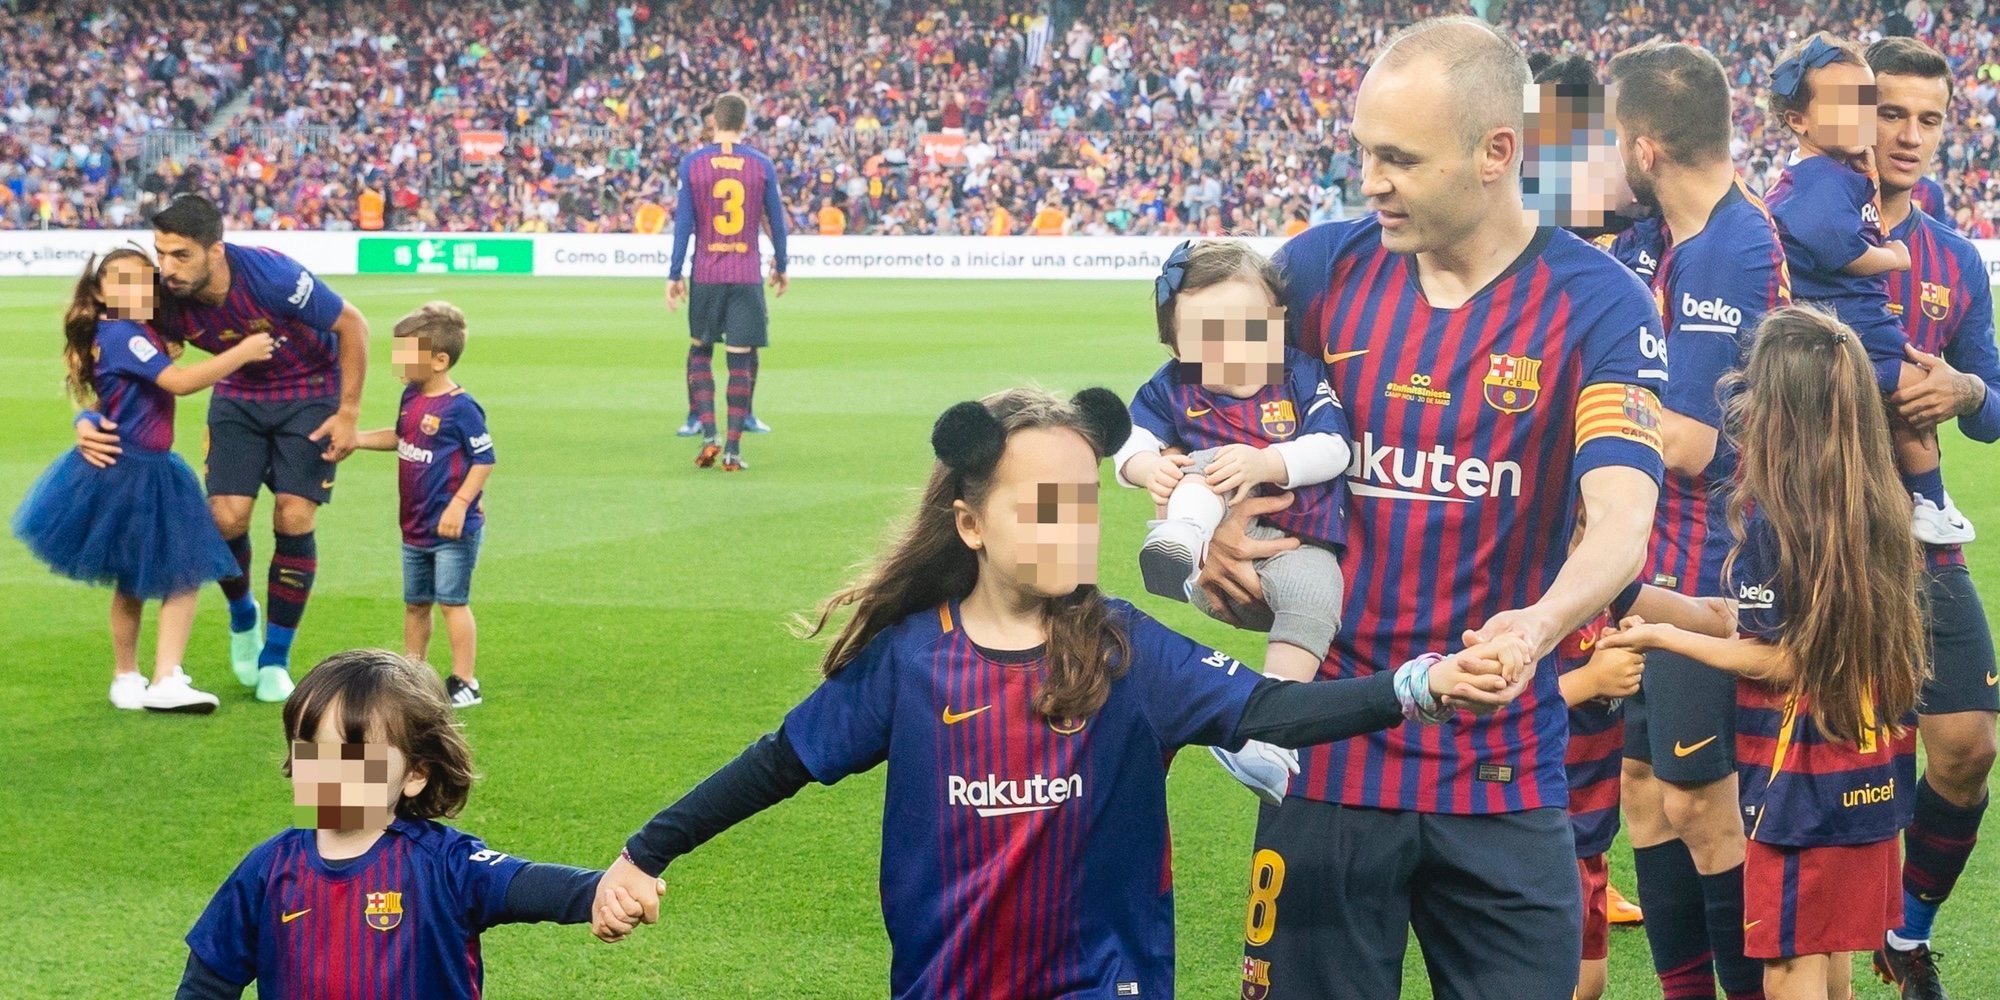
(1172, 273)
(1788, 76)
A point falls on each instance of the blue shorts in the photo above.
(442, 573)
(1962, 660)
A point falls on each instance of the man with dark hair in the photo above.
(728, 194)
(1542, 360)
(1946, 308)
(281, 423)
(1720, 268)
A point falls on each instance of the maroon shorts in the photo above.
(1596, 876)
(1820, 900)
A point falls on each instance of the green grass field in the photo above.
(633, 615)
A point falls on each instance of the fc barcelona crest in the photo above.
(1936, 300)
(429, 424)
(1256, 979)
(1513, 383)
(1278, 418)
(385, 910)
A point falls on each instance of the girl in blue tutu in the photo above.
(142, 525)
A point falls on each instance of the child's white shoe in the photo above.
(1168, 560)
(1262, 767)
(128, 691)
(177, 694)
(1934, 525)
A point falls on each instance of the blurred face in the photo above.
(1037, 529)
(127, 288)
(1230, 335)
(1417, 173)
(1909, 116)
(348, 786)
(415, 361)
(1841, 117)
(185, 266)
(1572, 173)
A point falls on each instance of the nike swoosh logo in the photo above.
(1586, 645)
(951, 719)
(1334, 359)
(289, 917)
(1204, 411)
(1683, 751)
(1751, 923)
(326, 484)
(1992, 679)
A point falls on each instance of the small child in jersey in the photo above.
(1242, 414)
(368, 895)
(445, 454)
(142, 524)
(1027, 722)
(1830, 658)
(1828, 209)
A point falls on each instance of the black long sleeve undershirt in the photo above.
(1282, 712)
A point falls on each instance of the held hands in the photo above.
(1639, 635)
(626, 898)
(1237, 469)
(1613, 671)
(1485, 676)
(340, 433)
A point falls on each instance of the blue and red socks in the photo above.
(1935, 849)
(242, 610)
(742, 382)
(1929, 485)
(1722, 897)
(293, 566)
(701, 388)
(1676, 920)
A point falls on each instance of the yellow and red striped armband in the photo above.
(1619, 411)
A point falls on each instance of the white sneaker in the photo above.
(127, 691)
(177, 694)
(1933, 525)
(1169, 558)
(1261, 767)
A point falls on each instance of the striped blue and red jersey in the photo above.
(727, 192)
(1929, 196)
(130, 358)
(1946, 306)
(268, 293)
(1464, 494)
(1801, 787)
(402, 920)
(1596, 754)
(1190, 417)
(1828, 215)
(1639, 246)
(1022, 856)
(438, 440)
(1711, 290)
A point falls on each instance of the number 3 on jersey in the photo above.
(1267, 879)
(729, 191)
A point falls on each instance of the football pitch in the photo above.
(633, 614)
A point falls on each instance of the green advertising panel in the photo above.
(433, 255)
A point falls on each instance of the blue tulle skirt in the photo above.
(142, 525)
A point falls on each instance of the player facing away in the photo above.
(728, 194)
(1946, 308)
(1027, 722)
(1829, 212)
(282, 423)
(1241, 412)
(1717, 267)
(141, 525)
(368, 895)
(1831, 655)
(1493, 374)
(444, 456)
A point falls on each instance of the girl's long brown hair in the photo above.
(928, 565)
(1816, 464)
(80, 324)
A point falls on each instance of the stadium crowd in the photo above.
(974, 117)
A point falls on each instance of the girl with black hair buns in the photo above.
(1027, 721)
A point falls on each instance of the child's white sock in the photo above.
(1194, 502)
